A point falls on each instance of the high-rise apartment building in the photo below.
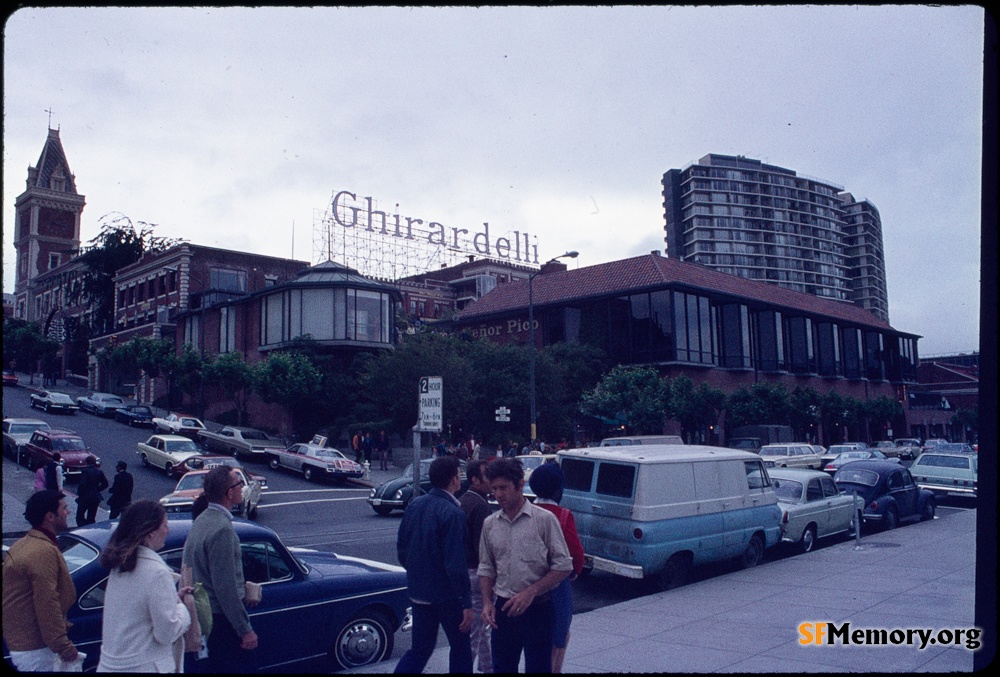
(747, 218)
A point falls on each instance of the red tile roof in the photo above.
(649, 271)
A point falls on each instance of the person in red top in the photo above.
(547, 483)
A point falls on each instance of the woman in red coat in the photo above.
(547, 483)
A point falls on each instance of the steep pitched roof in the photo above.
(649, 271)
(53, 161)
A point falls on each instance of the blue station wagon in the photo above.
(316, 608)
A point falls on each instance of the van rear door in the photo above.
(599, 493)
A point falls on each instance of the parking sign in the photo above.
(431, 403)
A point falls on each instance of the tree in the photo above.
(804, 414)
(635, 395)
(291, 380)
(25, 346)
(763, 403)
(697, 409)
(880, 412)
(232, 375)
(117, 245)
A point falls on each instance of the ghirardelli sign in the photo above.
(349, 212)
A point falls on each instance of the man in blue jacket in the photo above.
(431, 546)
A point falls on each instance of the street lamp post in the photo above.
(531, 337)
(201, 335)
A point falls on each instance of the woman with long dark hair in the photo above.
(145, 615)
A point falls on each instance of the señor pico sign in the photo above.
(349, 212)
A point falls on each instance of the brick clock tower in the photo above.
(47, 222)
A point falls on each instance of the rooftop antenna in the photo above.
(49, 111)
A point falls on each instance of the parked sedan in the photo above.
(17, 432)
(812, 507)
(315, 462)
(316, 606)
(43, 444)
(855, 455)
(836, 450)
(179, 424)
(9, 377)
(909, 447)
(191, 486)
(888, 491)
(947, 473)
(166, 451)
(396, 494)
(135, 415)
(888, 448)
(52, 401)
(101, 404)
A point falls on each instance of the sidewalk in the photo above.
(917, 576)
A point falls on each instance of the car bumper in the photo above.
(602, 564)
(948, 490)
(385, 503)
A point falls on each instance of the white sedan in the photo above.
(166, 451)
(179, 424)
(812, 507)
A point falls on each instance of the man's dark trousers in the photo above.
(426, 618)
(531, 631)
(224, 653)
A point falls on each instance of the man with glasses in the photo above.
(212, 550)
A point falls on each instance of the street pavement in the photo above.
(919, 576)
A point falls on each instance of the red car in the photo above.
(44, 443)
(208, 461)
(9, 377)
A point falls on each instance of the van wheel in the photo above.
(808, 539)
(754, 553)
(674, 572)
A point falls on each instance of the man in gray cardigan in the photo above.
(212, 550)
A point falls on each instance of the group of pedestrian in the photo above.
(366, 448)
(147, 615)
(51, 477)
(519, 558)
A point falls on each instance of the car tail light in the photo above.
(873, 505)
(784, 518)
(637, 534)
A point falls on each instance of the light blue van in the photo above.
(657, 510)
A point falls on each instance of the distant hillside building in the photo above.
(763, 222)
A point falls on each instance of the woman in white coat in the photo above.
(145, 615)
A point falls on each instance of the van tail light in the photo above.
(637, 534)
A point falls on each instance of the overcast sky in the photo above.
(234, 127)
